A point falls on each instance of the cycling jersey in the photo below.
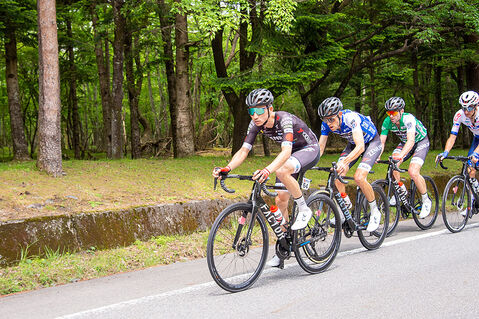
(351, 122)
(288, 129)
(407, 124)
(460, 117)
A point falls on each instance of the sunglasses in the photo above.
(257, 110)
(392, 113)
(470, 108)
(330, 119)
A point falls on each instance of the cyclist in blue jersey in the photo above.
(469, 116)
(363, 140)
(299, 152)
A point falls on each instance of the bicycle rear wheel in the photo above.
(456, 203)
(416, 202)
(394, 210)
(317, 245)
(372, 240)
(235, 261)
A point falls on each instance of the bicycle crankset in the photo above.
(281, 252)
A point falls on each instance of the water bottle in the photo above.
(347, 201)
(277, 214)
(475, 185)
(402, 189)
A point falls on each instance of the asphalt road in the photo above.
(415, 274)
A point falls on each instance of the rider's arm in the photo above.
(409, 144)
(238, 158)
(450, 143)
(383, 139)
(323, 139)
(280, 159)
(358, 139)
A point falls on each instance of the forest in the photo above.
(151, 78)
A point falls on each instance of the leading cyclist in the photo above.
(299, 152)
(414, 143)
(363, 140)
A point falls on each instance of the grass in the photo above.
(111, 185)
(103, 184)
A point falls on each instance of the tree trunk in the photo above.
(73, 93)
(49, 144)
(133, 97)
(439, 118)
(20, 146)
(415, 79)
(472, 70)
(184, 125)
(374, 105)
(118, 43)
(104, 79)
(166, 26)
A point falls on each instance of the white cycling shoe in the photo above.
(374, 220)
(392, 201)
(332, 221)
(426, 208)
(302, 218)
(274, 262)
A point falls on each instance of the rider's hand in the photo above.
(261, 175)
(441, 156)
(341, 167)
(475, 157)
(219, 172)
(396, 157)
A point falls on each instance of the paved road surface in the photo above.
(416, 274)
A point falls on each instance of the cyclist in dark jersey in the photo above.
(363, 140)
(299, 152)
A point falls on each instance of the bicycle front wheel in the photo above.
(456, 202)
(372, 240)
(394, 210)
(317, 245)
(235, 260)
(416, 202)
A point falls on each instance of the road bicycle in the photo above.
(238, 242)
(357, 220)
(410, 204)
(457, 199)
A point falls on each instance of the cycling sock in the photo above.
(300, 202)
(373, 205)
(424, 196)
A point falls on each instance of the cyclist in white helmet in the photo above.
(469, 116)
(414, 144)
(299, 152)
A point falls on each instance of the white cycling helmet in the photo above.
(469, 99)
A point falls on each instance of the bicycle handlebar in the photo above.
(331, 169)
(393, 163)
(242, 177)
(456, 158)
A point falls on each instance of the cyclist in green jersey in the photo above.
(414, 143)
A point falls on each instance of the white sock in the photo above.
(373, 205)
(301, 202)
(424, 197)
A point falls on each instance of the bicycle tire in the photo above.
(416, 202)
(373, 240)
(236, 269)
(394, 210)
(455, 214)
(316, 246)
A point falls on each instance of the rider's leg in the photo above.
(284, 173)
(414, 171)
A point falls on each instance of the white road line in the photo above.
(106, 309)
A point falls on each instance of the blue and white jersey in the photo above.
(351, 122)
(461, 118)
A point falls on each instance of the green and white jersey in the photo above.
(408, 123)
